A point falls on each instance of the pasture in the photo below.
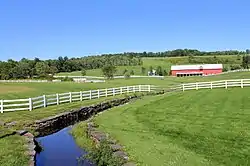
(156, 130)
(26, 90)
(204, 127)
(164, 62)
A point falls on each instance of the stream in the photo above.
(60, 149)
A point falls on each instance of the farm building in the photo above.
(196, 70)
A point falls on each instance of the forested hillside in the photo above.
(30, 68)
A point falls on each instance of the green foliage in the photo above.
(159, 71)
(143, 70)
(246, 61)
(67, 79)
(83, 72)
(235, 66)
(127, 75)
(132, 72)
(165, 73)
(225, 69)
(109, 71)
(125, 71)
(42, 69)
(103, 156)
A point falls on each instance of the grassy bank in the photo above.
(12, 151)
(206, 127)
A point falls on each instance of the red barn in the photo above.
(196, 70)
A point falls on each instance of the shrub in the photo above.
(67, 79)
(235, 67)
(103, 156)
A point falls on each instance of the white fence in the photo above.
(30, 81)
(214, 84)
(56, 99)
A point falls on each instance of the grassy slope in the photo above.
(165, 63)
(26, 90)
(206, 127)
(12, 151)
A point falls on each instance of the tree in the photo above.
(127, 75)
(83, 72)
(143, 70)
(150, 70)
(125, 71)
(159, 71)
(248, 51)
(53, 70)
(165, 73)
(132, 72)
(42, 69)
(109, 71)
(246, 61)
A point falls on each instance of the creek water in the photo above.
(60, 149)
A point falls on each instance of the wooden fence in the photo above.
(57, 99)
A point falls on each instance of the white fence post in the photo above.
(106, 92)
(98, 93)
(197, 86)
(149, 88)
(139, 88)
(241, 83)
(211, 85)
(80, 95)
(183, 87)
(121, 90)
(113, 91)
(70, 97)
(226, 84)
(44, 101)
(90, 94)
(57, 99)
(134, 88)
(127, 89)
(30, 104)
(1, 106)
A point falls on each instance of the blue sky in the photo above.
(52, 28)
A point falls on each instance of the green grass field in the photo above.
(130, 124)
(26, 90)
(165, 63)
(205, 127)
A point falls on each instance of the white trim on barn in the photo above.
(197, 67)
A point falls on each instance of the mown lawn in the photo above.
(26, 90)
(204, 127)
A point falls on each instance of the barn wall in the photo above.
(205, 72)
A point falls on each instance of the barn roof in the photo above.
(197, 67)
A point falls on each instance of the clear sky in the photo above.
(74, 28)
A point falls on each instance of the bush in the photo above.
(67, 79)
(235, 67)
(225, 68)
(103, 156)
(127, 75)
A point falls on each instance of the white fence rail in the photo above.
(215, 84)
(57, 99)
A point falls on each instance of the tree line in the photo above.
(186, 52)
(26, 68)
